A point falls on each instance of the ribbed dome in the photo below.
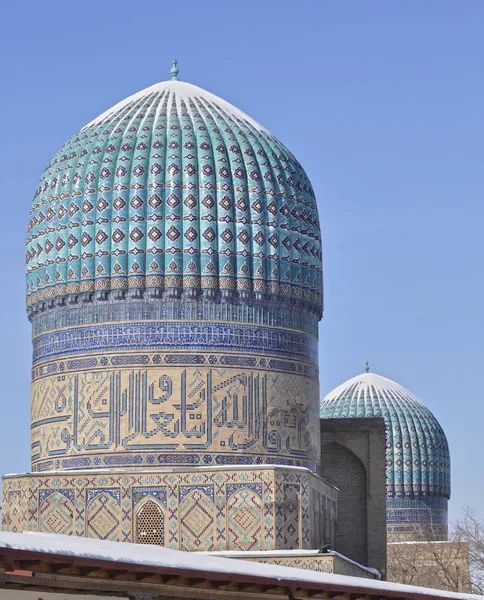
(418, 460)
(174, 191)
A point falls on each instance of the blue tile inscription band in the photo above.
(172, 335)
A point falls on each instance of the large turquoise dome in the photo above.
(174, 192)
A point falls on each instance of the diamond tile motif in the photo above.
(136, 202)
(154, 201)
(118, 236)
(173, 234)
(119, 203)
(191, 234)
(173, 201)
(136, 234)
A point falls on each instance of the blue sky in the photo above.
(382, 102)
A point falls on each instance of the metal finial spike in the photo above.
(174, 70)
(367, 368)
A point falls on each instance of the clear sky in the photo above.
(383, 104)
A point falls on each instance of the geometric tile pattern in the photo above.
(245, 527)
(56, 513)
(322, 563)
(197, 518)
(410, 518)
(197, 509)
(144, 309)
(149, 358)
(174, 191)
(103, 514)
(14, 518)
(291, 515)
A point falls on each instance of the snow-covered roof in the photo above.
(287, 554)
(157, 557)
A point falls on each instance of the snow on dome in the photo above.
(180, 92)
(369, 381)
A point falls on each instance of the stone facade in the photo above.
(353, 459)
(209, 508)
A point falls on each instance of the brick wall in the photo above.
(353, 459)
(348, 473)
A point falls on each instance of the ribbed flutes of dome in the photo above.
(174, 193)
(418, 459)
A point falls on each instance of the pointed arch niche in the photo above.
(345, 470)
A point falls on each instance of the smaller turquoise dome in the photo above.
(418, 459)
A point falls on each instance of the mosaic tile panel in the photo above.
(103, 513)
(167, 414)
(144, 309)
(56, 511)
(197, 518)
(166, 336)
(203, 509)
(412, 518)
(245, 523)
(323, 564)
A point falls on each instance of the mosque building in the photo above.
(417, 453)
(174, 288)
